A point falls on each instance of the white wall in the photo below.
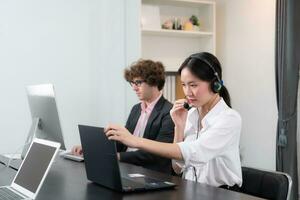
(132, 45)
(77, 45)
(82, 48)
(246, 47)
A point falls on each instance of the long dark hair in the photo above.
(205, 66)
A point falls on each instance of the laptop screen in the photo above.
(35, 166)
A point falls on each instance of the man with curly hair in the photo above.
(148, 119)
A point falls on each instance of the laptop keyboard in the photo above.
(126, 182)
(151, 180)
(8, 194)
(141, 182)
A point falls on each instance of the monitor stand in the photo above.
(36, 124)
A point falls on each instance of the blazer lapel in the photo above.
(154, 114)
(134, 119)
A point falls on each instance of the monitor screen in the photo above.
(34, 166)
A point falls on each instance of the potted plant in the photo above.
(195, 21)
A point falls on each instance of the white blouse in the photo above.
(213, 157)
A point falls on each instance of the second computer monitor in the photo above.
(44, 113)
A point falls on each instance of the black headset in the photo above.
(216, 85)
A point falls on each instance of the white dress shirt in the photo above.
(213, 157)
(143, 119)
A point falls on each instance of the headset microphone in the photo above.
(187, 106)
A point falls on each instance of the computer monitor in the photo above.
(44, 113)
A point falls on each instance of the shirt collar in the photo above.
(150, 106)
(215, 111)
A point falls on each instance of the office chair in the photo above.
(266, 184)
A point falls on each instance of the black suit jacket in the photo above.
(160, 127)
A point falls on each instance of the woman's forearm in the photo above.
(178, 134)
(168, 150)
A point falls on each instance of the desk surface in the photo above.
(67, 180)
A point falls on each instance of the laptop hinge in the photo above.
(19, 193)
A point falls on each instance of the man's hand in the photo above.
(77, 150)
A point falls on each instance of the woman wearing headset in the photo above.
(207, 130)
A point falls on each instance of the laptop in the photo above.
(102, 165)
(32, 172)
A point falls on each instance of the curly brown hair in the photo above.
(153, 73)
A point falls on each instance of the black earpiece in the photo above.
(187, 106)
(217, 84)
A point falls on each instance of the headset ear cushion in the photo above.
(217, 87)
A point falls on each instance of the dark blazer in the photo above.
(160, 127)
